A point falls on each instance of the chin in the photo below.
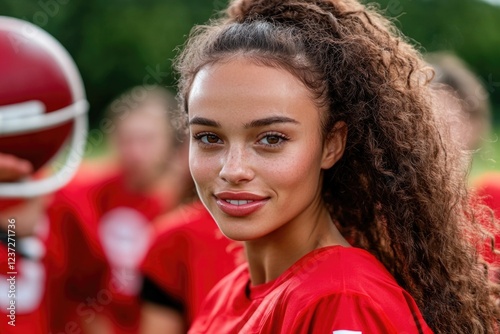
(238, 229)
(238, 236)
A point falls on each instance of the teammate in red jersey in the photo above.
(188, 257)
(42, 107)
(310, 124)
(24, 268)
(149, 180)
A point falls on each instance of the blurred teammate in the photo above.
(42, 107)
(469, 114)
(150, 179)
(188, 257)
(473, 98)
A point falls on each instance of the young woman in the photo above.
(311, 131)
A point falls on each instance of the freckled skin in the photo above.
(234, 157)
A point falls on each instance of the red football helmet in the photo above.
(42, 106)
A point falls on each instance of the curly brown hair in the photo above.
(396, 191)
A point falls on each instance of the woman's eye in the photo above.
(272, 140)
(208, 139)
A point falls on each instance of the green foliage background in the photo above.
(118, 43)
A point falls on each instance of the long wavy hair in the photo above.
(397, 191)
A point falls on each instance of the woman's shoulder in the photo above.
(347, 286)
(352, 312)
(337, 270)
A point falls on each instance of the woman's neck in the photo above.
(270, 256)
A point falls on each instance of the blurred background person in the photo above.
(42, 117)
(464, 103)
(147, 178)
(145, 141)
(473, 99)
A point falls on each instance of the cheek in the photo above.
(203, 168)
(296, 171)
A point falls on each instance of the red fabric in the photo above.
(190, 256)
(330, 290)
(65, 276)
(78, 261)
(488, 190)
(31, 311)
(36, 279)
(105, 233)
(110, 192)
(488, 187)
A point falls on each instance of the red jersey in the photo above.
(108, 230)
(488, 190)
(23, 287)
(37, 265)
(488, 187)
(78, 262)
(190, 256)
(330, 290)
(124, 232)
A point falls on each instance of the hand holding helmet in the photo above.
(12, 168)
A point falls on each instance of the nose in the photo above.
(236, 167)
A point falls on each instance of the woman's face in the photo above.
(256, 150)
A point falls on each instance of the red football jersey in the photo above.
(27, 292)
(105, 233)
(488, 189)
(124, 232)
(332, 290)
(60, 269)
(190, 256)
(78, 262)
(23, 287)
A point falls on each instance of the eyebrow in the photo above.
(203, 121)
(253, 124)
(269, 121)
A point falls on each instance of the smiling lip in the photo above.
(239, 204)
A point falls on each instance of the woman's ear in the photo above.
(334, 145)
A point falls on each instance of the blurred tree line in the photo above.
(118, 44)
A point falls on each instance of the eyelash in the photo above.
(283, 138)
(198, 137)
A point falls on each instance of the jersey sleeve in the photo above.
(351, 313)
(164, 268)
(151, 292)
